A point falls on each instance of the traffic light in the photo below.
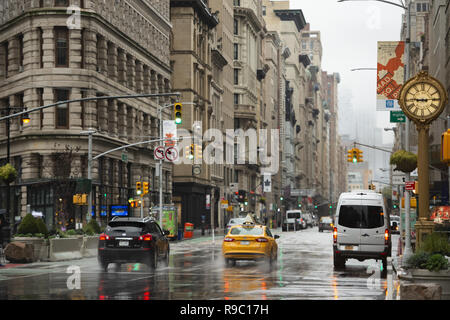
(350, 155)
(178, 112)
(198, 152)
(138, 188)
(190, 152)
(145, 189)
(359, 155)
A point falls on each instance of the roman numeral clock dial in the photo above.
(422, 98)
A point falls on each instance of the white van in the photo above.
(293, 221)
(362, 228)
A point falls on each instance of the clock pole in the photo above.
(423, 225)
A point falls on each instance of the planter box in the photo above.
(40, 247)
(424, 276)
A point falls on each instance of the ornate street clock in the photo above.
(423, 98)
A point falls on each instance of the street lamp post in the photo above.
(408, 249)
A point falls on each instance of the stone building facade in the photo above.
(115, 49)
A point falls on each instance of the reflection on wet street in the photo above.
(197, 271)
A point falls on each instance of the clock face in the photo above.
(423, 100)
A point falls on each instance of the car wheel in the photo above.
(166, 258)
(104, 265)
(338, 261)
(153, 260)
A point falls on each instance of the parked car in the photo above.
(326, 223)
(133, 240)
(250, 241)
(362, 229)
(395, 224)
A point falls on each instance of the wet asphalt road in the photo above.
(197, 272)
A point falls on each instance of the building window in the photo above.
(61, 47)
(237, 2)
(62, 3)
(236, 76)
(236, 51)
(236, 27)
(41, 47)
(62, 111)
(236, 98)
(264, 10)
(21, 56)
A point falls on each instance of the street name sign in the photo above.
(398, 117)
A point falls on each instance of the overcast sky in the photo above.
(349, 33)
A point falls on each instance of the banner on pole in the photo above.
(390, 74)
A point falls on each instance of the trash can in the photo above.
(188, 230)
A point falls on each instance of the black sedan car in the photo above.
(133, 240)
(325, 223)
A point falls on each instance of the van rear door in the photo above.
(348, 225)
(372, 226)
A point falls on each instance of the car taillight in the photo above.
(386, 235)
(104, 237)
(227, 239)
(146, 237)
(335, 234)
(262, 240)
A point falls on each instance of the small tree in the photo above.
(8, 173)
(405, 161)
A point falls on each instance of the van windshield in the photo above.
(293, 215)
(358, 216)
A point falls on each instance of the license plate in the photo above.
(123, 243)
(245, 242)
(348, 247)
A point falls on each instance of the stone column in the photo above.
(48, 122)
(102, 55)
(102, 116)
(13, 56)
(131, 118)
(75, 110)
(90, 51)
(112, 61)
(131, 73)
(113, 118)
(154, 84)
(75, 49)
(145, 80)
(31, 49)
(122, 121)
(121, 67)
(139, 77)
(48, 47)
(31, 100)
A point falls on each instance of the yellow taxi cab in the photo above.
(250, 241)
